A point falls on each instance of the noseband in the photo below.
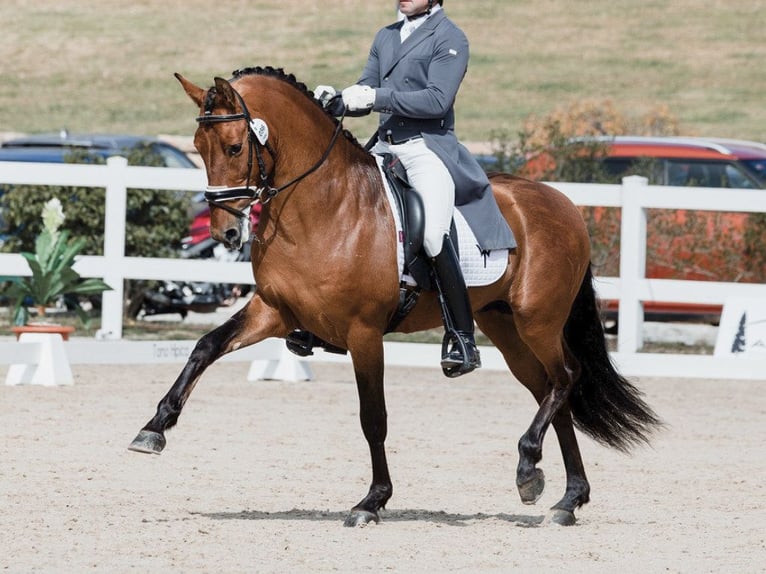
(257, 139)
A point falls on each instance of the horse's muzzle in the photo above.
(233, 238)
(237, 231)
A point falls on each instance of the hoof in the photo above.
(531, 491)
(149, 442)
(560, 517)
(360, 518)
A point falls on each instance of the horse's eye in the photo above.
(235, 149)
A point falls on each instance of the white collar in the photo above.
(410, 26)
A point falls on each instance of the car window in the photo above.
(676, 172)
(172, 157)
(756, 167)
(616, 168)
(708, 174)
(736, 177)
(696, 173)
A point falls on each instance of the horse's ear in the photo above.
(196, 93)
(223, 88)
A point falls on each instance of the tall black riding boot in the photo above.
(462, 356)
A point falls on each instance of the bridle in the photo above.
(257, 140)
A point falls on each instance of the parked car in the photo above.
(55, 148)
(681, 244)
(65, 147)
(698, 162)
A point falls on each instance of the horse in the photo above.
(324, 260)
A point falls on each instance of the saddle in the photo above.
(409, 204)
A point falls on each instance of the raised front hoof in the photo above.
(531, 490)
(361, 518)
(560, 517)
(149, 442)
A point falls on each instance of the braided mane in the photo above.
(271, 72)
(283, 76)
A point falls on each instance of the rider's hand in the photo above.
(358, 97)
(324, 94)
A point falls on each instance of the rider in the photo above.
(412, 76)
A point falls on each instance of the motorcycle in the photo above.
(183, 297)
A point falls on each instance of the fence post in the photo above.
(115, 215)
(632, 264)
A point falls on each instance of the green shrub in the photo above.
(156, 220)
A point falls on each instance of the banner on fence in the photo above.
(743, 327)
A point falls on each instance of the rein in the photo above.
(257, 138)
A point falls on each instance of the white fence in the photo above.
(632, 288)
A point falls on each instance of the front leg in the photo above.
(251, 324)
(368, 367)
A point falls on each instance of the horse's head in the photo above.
(231, 144)
(242, 121)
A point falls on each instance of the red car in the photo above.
(699, 162)
(692, 245)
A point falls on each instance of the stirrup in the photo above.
(302, 343)
(462, 357)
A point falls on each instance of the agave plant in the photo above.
(52, 273)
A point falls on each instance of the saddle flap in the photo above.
(410, 207)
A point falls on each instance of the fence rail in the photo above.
(632, 288)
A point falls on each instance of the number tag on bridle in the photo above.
(244, 225)
(260, 129)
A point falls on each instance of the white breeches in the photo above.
(429, 176)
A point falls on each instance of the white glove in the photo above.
(324, 93)
(358, 97)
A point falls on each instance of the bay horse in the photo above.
(324, 260)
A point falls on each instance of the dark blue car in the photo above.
(64, 147)
(55, 148)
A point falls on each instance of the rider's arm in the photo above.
(442, 74)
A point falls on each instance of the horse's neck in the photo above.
(344, 200)
(342, 192)
(348, 177)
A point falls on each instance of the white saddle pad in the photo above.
(479, 268)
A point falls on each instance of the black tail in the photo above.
(604, 404)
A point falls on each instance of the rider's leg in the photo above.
(463, 356)
(428, 175)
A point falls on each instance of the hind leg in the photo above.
(500, 327)
(578, 489)
(251, 324)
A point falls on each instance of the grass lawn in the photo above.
(108, 66)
